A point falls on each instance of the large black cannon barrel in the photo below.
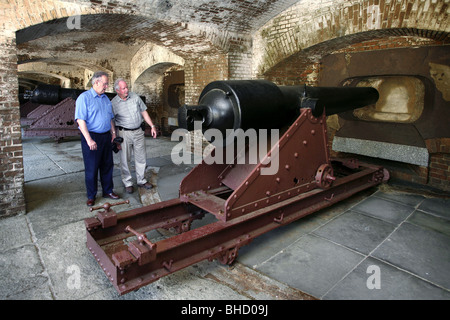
(52, 94)
(260, 104)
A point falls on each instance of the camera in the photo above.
(116, 144)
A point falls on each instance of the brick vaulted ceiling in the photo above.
(188, 28)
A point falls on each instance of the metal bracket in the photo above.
(142, 248)
(280, 219)
(227, 256)
(107, 218)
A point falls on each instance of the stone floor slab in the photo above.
(421, 251)
(394, 284)
(356, 231)
(312, 265)
(390, 211)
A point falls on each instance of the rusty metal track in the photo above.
(220, 240)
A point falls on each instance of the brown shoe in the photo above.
(90, 202)
(129, 189)
(146, 185)
(111, 195)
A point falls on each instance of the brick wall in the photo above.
(439, 169)
(240, 65)
(12, 199)
(198, 73)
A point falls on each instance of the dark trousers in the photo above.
(98, 161)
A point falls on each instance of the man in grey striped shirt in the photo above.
(129, 112)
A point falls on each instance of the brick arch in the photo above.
(305, 66)
(151, 55)
(150, 80)
(54, 18)
(42, 68)
(304, 26)
(30, 74)
(25, 15)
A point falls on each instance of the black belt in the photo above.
(99, 133)
(126, 129)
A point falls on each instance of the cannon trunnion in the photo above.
(293, 177)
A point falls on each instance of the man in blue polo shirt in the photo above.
(93, 113)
